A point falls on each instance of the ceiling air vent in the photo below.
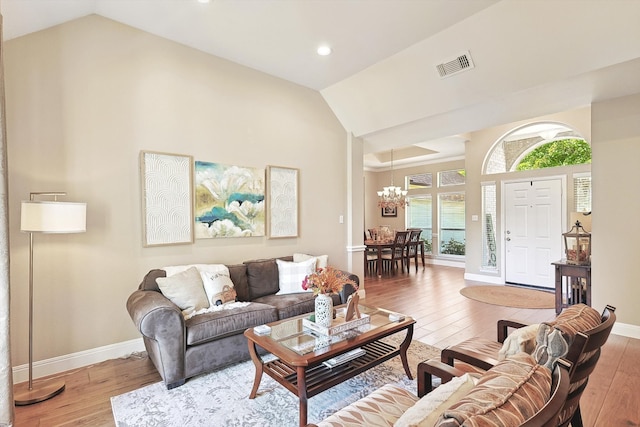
(456, 65)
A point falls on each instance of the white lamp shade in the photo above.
(53, 217)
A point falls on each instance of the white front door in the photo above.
(533, 231)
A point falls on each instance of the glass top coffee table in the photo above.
(301, 353)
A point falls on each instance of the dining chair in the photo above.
(411, 248)
(397, 252)
(370, 257)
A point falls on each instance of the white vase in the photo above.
(324, 310)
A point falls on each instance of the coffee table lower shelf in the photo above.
(320, 378)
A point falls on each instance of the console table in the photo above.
(569, 289)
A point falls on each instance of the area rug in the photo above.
(221, 398)
(510, 296)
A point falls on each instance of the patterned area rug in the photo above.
(510, 296)
(221, 398)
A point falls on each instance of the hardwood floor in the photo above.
(443, 317)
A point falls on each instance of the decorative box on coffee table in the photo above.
(337, 326)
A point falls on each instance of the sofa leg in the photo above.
(175, 384)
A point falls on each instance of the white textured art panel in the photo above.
(283, 202)
(167, 184)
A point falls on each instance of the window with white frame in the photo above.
(582, 192)
(419, 181)
(451, 177)
(489, 208)
(451, 220)
(420, 215)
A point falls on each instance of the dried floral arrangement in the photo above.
(327, 280)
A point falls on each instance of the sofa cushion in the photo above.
(185, 290)
(293, 304)
(428, 409)
(380, 408)
(262, 277)
(506, 395)
(292, 274)
(238, 274)
(215, 325)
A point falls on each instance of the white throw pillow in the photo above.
(291, 275)
(218, 286)
(213, 280)
(521, 340)
(426, 411)
(185, 290)
(323, 260)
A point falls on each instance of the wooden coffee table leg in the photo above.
(403, 351)
(302, 394)
(257, 361)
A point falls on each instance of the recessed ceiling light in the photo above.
(204, 1)
(324, 50)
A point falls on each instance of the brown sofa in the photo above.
(181, 349)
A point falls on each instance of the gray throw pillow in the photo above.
(262, 278)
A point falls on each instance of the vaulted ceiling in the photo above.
(528, 58)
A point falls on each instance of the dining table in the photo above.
(379, 246)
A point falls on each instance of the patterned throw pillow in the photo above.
(428, 409)
(506, 395)
(291, 275)
(219, 287)
(555, 337)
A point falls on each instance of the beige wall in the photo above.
(616, 230)
(83, 99)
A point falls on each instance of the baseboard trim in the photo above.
(446, 262)
(55, 365)
(494, 280)
(626, 330)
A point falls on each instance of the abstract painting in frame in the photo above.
(167, 206)
(282, 202)
(229, 201)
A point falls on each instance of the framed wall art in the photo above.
(391, 211)
(167, 204)
(282, 202)
(229, 201)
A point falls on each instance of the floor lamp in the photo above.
(45, 217)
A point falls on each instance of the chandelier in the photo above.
(392, 197)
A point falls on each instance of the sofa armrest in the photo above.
(154, 314)
(431, 367)
(161, 321)
(467, 355)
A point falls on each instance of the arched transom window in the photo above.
(536, 146)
